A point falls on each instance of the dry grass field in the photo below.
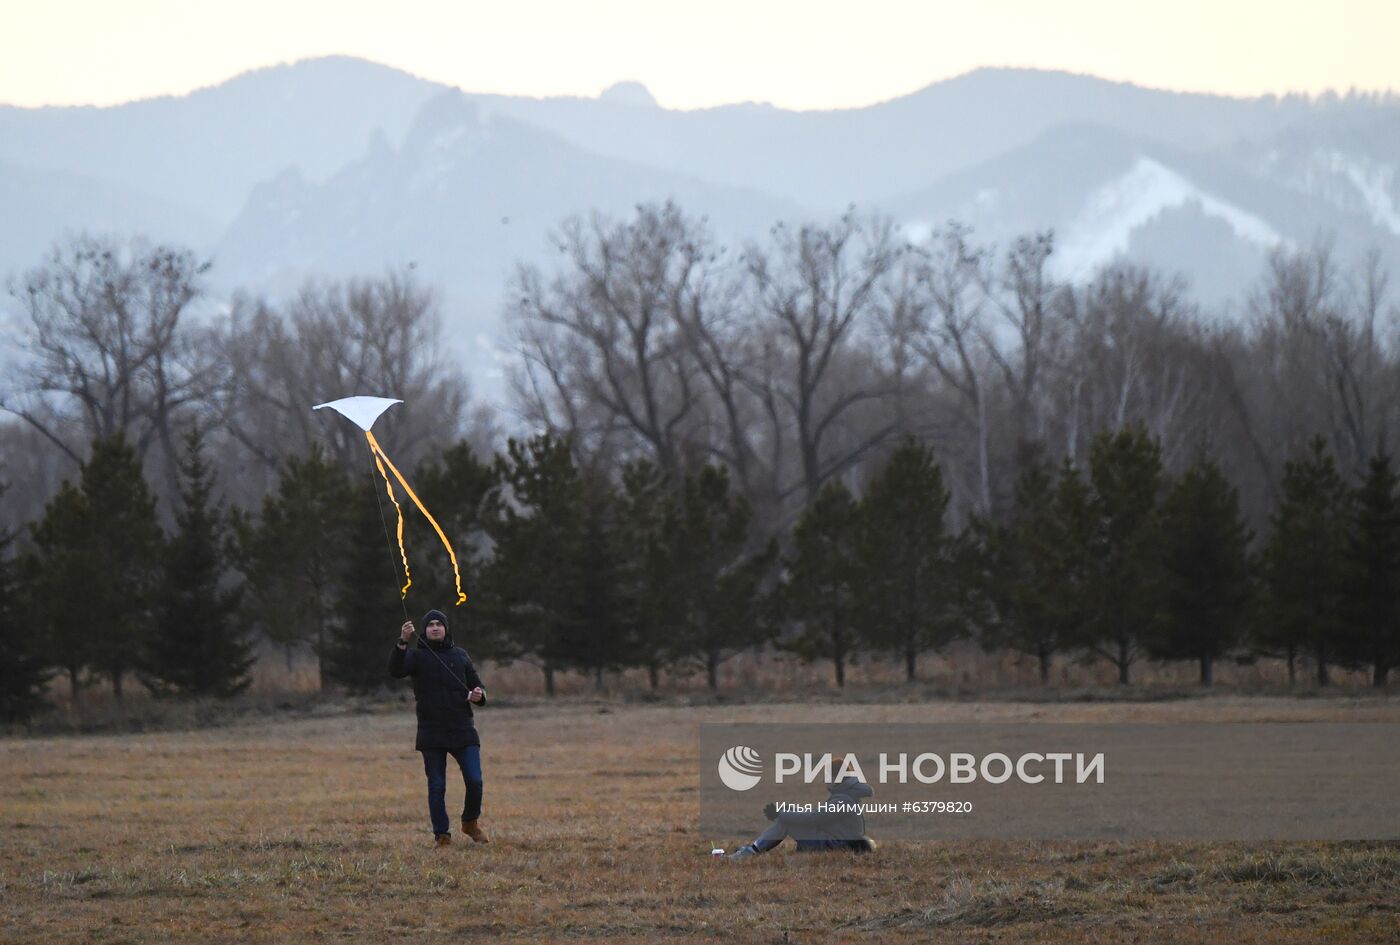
(314, 830)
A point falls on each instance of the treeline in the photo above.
(794, 361)
(569, 571)
(737, 411)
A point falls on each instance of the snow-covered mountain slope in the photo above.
(1103, 228)
(1110, 196)
(1353, 182)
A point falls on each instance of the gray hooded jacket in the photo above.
(827, 829)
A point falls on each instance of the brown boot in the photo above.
(470, 828)
(443, 840)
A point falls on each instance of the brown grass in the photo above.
(315, 829)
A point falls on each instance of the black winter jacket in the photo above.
(444, 714)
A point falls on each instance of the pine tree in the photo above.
(648, 589)
(537, 577)
(22, 672)
(1206, 554)
(1372, 638)
(93, 576)
(293, 554)
(1034, 565)
(907, 588)
(1305, 572)
(458, 488)
(820, 592)
(200, 646)
(368, 609)
(720, 583)
(129, 552)
(1125, 581)
(604, 640)
(53, 576)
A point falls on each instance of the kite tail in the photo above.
(379, 455)
(398, 510)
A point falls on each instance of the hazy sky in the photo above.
(798, 54)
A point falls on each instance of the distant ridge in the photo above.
(337, 165)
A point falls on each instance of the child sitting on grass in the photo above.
(841, 826)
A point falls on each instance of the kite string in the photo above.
(398, 510)
(388, 542)
(380, 455)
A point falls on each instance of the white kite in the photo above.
(363, 411)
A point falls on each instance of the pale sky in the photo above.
(802, 54)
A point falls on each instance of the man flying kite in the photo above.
(445, 683)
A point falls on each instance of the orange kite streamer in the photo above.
(379, 455)
(363, 411)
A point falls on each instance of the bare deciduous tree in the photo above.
(955, 340)
(606, 340)
(1025, 301)
(363, 336)
(1317, 360)
(1136, 354)
(816, 290)
(109, 345)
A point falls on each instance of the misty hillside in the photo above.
(466, 195)
(827, 159)
(463, 199)
(337, 166)
(41, 204)
(206, 150)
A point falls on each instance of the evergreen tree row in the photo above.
(102, 591)
(1119, 563)
(568, 568)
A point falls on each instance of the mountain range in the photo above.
(339, 166)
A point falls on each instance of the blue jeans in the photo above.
(806, 838)
(435, 767)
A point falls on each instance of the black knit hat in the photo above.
(434, 615)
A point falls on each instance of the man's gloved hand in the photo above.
(771, 811)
